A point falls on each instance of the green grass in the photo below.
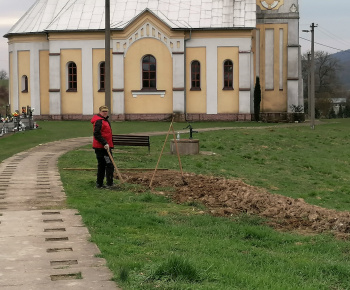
(57, 130)
(150, 242)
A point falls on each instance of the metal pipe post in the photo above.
(108, 56)
(312, 72)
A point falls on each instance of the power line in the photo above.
(332, 35)
(326, 45)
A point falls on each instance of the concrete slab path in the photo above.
(43, 245)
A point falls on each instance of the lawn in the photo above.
(151, 242)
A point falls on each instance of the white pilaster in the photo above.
(245, 75)
(87, 79)
(269, 59)
(55, 80)
(257, 52)
(178, 83)
(118, 84)
(212, 79)
(281, 56)
(14, 76)
(35, 75)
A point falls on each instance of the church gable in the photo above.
(147, 25)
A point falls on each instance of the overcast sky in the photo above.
(331, 35)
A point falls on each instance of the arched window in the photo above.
(195, 75)
(149, 73)
(24, 84)
(102, 76)
(72, 77)
(228, 75)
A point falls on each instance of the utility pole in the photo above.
(309, 84)
(107, 55)
(312, 75)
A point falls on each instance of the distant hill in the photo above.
(344, 60)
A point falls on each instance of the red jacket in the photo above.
(102, 132)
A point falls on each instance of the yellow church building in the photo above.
(197, 59)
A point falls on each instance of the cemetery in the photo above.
(17, 122)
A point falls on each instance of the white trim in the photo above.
(118, 103)
(138, 93)
(269, 58)
(245, 81)
(87, 81)
(212, 78)
(148, 30)
(281, 58)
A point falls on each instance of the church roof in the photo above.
(72, 15)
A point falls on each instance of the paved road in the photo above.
(43, 245)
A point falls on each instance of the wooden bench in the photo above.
(132, 140)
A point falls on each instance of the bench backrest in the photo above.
(131, 140)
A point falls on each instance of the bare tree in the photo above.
(327, 83)
(326, 68)
(326, 72)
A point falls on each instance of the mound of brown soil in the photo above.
(227, 197)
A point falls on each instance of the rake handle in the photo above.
(115, 166)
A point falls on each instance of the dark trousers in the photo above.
(104, 167)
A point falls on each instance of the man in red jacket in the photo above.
(102, 141)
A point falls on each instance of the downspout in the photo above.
(185, 89)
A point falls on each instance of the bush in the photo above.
(298, 113)
(257, 99)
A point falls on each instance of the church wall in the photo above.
(216, 39)
(85, 43)
(71, 102)
(288, 6)
(29, 45)
(24, 70)
(272, 62)
(148, 27)
(196, 101)
(286, 13)
(98, 56)
(228, 100)
(143, 102)
(44, 82)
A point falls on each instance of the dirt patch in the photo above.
(228, 197)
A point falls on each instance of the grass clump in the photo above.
(176, 268)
